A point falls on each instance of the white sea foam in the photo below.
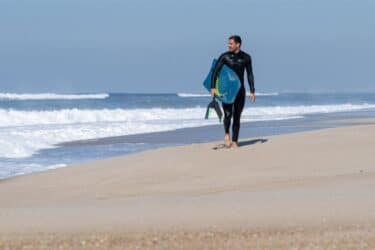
(205, 95)
(22, 133)
(11, 117)
(192, 95)
(51, 96)
(26, 168)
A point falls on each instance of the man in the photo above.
(238, 61)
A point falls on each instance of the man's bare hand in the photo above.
(252, 97)
(213, 92)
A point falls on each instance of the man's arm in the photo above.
(217, 68)
(250, 75)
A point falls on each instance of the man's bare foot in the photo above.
(227, 140)
(234, 145)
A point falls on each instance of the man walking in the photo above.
(238, 61)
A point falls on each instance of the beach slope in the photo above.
(302, 189)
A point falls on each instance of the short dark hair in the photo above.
(236, 39)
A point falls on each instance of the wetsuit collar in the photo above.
(237, 52)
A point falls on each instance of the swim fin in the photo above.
(215, 106)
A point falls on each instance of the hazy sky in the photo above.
(168, 45)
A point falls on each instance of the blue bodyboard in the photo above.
(227, 83)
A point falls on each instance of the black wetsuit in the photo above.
(238, 62)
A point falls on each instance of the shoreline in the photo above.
(152, 137)
(316, 183)
(84, 151)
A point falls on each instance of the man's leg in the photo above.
(227, 117)
(239, 104)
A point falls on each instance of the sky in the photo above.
(164, 46)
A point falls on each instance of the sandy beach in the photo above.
(306, 190)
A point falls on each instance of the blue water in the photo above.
(35, 129)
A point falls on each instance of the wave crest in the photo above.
(51, 96)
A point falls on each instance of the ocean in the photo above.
(36, 130)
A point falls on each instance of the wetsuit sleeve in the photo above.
(218, 66)
(250, 75)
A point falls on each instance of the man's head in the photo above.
(234, 43)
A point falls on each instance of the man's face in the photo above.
(233, 46)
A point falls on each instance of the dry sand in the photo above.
(308, 190)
